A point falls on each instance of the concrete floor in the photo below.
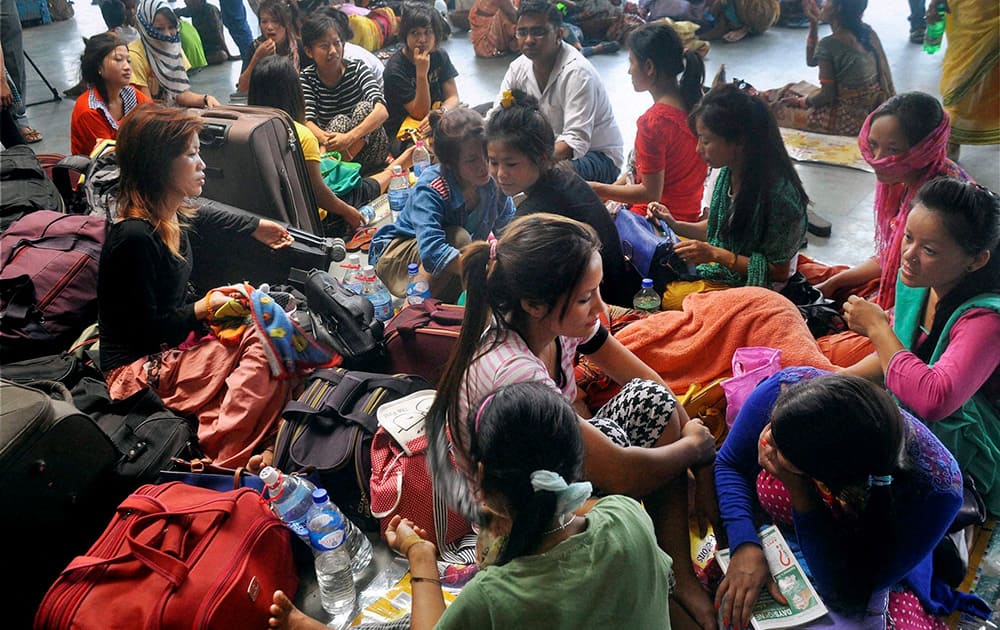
(842, 195)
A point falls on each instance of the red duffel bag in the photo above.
(419, 339)
(177, 556)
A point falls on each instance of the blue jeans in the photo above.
(596, 167)
(234, 18)
(917, 18)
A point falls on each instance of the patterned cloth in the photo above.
(163, 52)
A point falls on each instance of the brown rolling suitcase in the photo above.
(253, 161)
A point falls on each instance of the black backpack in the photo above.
(24, 186)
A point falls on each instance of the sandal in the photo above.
(917, 35)
(31, 135)
(361, 240)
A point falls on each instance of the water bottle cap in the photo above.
(647, 283)
(270, 476)
(412, 269)
(319, 495)
(420, 143)
(397, 169)
(368, 270)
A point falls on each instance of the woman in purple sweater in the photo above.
(863, 490)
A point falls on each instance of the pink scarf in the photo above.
(894, 201)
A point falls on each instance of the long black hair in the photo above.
(971, 216)
(739, 117)
(522, 126)
(842, 430)
(539, 259)
(850, 14)
(515, 431)
(662, 45)
(275, 83)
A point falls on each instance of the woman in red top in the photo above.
(106, 69)
(656, 57)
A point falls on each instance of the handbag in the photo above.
(821, 314)
(409, 129)
(708, 404)
(401, 482)
(177, 556)
(420, 338)
(649, 247)
(751, 365)
(339, 175)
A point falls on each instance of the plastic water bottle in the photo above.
(421, 158)
(417, 290)
(935, 31)
(358, 545)
(352, 277)
(368, 212)
(328, 536)
(373, 289)
(647, 299)
(291, 498)
(399, 190)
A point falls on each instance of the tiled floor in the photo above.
(842, 195)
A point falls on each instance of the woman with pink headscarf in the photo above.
(906, 142)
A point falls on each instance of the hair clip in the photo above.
(507, 99)
(880, 480)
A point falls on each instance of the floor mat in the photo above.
(805, 146)
(983, 578)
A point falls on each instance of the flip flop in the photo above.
(361, 240)
(31, 135)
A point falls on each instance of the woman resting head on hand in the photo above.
(527, 454)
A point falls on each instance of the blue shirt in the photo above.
(435, 203)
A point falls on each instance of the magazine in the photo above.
(804, 603)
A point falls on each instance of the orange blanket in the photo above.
(696, 344)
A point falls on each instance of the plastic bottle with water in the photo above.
(373, 289)
(352, 277)
(368, 213)
(358, 545)
(399, 190)
(328, 537)
(291, 499)
(417, 290)
(647, 299)
(935, 30)
(421, 158)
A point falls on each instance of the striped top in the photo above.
(323, 102)
(513, 362)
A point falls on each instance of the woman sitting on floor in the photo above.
(931, 357)
(159, 66)
(866, 523)
(419, 76)
(601, 567)
(153, 333)
(735, 19)
(345, 108)
(906, 143)
(275, 83)
(854, 74)
(279, 35)
(757, 219)
(535, 294)
(106, 69)
(520, 151)
(667, 167)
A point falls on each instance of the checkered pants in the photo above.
(637, 415)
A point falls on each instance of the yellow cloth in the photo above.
(412, 124)
(674, 294)
(366, 33)
(970, 72)
(310, 150)
(142, 73)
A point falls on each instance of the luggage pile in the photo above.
(77, 463)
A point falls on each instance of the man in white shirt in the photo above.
(570, 93)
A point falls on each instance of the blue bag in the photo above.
(648, 246)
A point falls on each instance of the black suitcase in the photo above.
(253, 161)
(222, 258)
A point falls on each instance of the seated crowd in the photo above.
(856, 450)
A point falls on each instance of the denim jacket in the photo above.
(435, 203)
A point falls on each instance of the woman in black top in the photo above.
(145, 312)
(520, 143)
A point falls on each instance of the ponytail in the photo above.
(693, 80)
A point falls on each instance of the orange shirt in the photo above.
(91, 119)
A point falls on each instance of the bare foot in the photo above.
(285, 616)
(736, 35)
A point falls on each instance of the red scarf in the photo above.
(894, 201)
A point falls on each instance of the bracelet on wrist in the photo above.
(204, 100)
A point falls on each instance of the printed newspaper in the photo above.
(804, 603)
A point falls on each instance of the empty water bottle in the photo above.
(373, 289)
(421, 158)
(399, 190)
(368, 212)
(291, 499)
(352, 275)
(358, 545)
(416, 290)
(647, 299)
(328, 536)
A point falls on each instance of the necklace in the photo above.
(559, 527)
